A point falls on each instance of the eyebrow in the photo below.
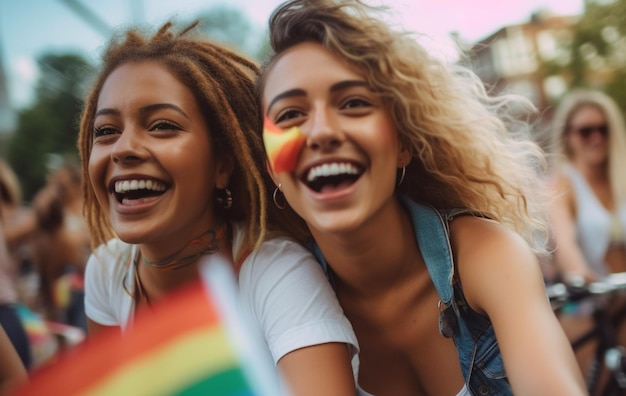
(348, 84)
(287, 94)
(333, 88)
(106, 111)
(145, 110)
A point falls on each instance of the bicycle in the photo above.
(608, 353)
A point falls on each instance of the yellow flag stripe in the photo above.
(184, 361)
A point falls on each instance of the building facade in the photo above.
(516, 58)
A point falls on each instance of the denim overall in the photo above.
(473, 335)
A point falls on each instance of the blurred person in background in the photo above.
(12, 370)
(20, 225)
(61, 246)
(30, 232)
(9, 318)
(588, 210)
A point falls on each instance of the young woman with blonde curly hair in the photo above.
(172, 160)
(422, 201)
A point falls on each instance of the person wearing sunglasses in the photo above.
(588, 211)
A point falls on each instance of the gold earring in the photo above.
(402, 175)
(276, 191)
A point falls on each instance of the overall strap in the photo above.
(431, 232)
(317, 252)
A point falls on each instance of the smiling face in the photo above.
(152, 165)
(587, 136)
(346, 171)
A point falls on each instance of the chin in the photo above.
(131, 238)
(134, 235)
(335, 224)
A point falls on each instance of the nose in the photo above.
(325, 133)
(129, 147)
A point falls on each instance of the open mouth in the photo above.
(137, 189)
(332, 175)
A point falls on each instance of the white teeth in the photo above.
(336, 168)
(131, 185)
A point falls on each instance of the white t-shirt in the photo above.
(593, 222)
(284, 295)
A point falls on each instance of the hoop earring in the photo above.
(402, 175)
(224, 198)
(276, 190)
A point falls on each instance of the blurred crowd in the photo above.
(48, 245)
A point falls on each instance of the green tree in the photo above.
(48, 129)
(598, 49)
(229, 26)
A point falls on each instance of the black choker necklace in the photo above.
(210, 247)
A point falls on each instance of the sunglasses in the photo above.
(586, 131)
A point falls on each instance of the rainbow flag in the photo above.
(191, 343)
(43, 345)
(35, 326)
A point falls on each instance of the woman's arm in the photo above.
(291, 301)
(568, 258)
(12, 371)
(21, 229)
(94, 328)
(322, 369)
(502, 279)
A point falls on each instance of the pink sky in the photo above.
(27, 31)
(472, 19)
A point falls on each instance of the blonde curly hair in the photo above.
(468, 148)
(569, 105)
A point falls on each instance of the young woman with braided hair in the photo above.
(171, 160)
(420, 202)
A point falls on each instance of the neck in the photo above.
(370, 262)
(205, 243)
(593, 172)
(156, 282)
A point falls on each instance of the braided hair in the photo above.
(223, 83)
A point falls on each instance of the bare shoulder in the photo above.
(479, 239)
(94, 328)
(491, 259)
(561, 188)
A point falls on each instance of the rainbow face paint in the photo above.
(282, 146)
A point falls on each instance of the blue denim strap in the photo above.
(432, 237)
(479, 355)
(317, 252)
